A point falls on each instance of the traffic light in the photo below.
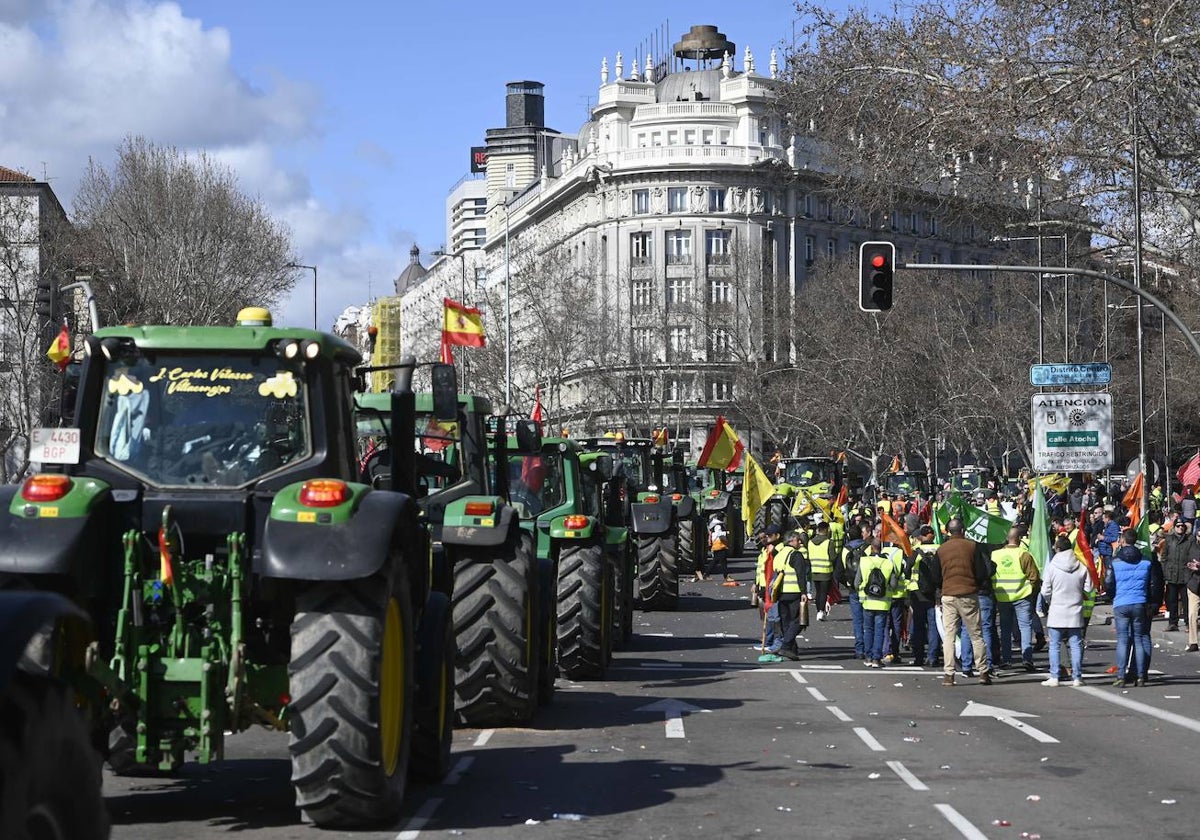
(876, 264)
(45, 299)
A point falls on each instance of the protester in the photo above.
(791, 589)
(1128, 581)
(958, 571)
(1015, 580)
(861, 544)
(1177, 546)
(718, 543)
(824, 557)
(874, 593)
(1064, 588)
(924, 637)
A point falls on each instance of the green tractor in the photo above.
(651, 514)
(599, 479)
(504, 630)
(558, 492)
(209, 519)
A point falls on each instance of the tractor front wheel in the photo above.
(352, 675)
(49, 773)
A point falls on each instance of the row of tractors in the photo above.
(230, 532)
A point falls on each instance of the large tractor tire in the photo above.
(548, 638)
(352, 672)
(496, 626)
(623, 585)
(658, 575)
(433, 712)
(737, 531)
(773, 512)
(686, 562)
(585, 596)
(49, 773)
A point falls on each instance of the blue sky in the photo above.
(350, 120)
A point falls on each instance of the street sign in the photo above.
(1092, 373)
(1072, 432)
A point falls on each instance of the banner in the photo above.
(978, 524)
(756, 489)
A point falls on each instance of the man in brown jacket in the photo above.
(958, 570)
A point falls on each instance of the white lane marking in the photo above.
(964, 826)
(823, 667)
(869, 739)
(907, 775)
(660, 635)
(483, 737)
(673, 710)
(656, 665)
(839, 714)
(1121, 700)
(798, 677)
(456, 774)
(722, 636)
(419, 820)
(851, 638)
(817, 695)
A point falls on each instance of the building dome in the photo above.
(413, 274)
(690, 86)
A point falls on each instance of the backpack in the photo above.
(876, 584)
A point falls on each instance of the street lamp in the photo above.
(313, 269)
(507, 316)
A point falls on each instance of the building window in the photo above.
(677, 389)
(933, 226)
(510, 176)
(672, 138)
(641, 389)
(720, 290)
(679, 247)
(679, 340)
(716, 246)
(935, 257)
(831, 248)
(643, 340)
(706, 136)
(678, 290)
(720, 390)
(689, 137)
(810, 247)
(768, 202)
(914, 223)
(716, 199)
(724, 135)
(641, 248)
(643, 294)
(641, 202)
(808, 205)
(677, 199)
(720, 343)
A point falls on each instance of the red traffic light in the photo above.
(878, 261)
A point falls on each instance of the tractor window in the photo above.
(206, 420)
(439, 452)
(535, 482)
(966, 482)
(634, 464)
(805, 472)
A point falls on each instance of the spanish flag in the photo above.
(60, 349)
(723, 450)
(462, 326)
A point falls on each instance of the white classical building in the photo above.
(697, 219)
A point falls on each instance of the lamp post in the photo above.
(1066, 323)
(313, 269)
(507, 317)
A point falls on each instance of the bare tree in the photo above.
(177, 239)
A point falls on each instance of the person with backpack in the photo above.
(874, 581)
(859, 544)
(959, 571)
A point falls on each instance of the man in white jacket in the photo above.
(1064, 584)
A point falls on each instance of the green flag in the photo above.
(1143, 538)
(978, 524)
(936, 521)
(1039, 534)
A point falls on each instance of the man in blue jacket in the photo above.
(1132, 580)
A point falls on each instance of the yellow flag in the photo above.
(756, 489)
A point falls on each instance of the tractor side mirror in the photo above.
(529, 437)
(603, 465)
(445, 393)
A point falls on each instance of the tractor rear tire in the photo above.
(622, 613)
(49, 773)
(433, 712)
(658, 575)
(687, 547)
(352, 673)
(584, 611)
(496, 618)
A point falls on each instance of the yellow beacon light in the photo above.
(254, 316)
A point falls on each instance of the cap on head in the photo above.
(771, 531)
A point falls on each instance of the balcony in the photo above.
(655, 156)
(675, 111)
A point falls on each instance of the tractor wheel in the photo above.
(584, 611)
(686, 562)
(548, 638)
(49, 773)
(496, 628)
(352, 674)
(433, 712)
(622, 614)
(658, 576)
(737, 531)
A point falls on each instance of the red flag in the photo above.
(1083, 550)
(445, 355)
(926, 512)
(1133, 500)
(769, 576)
(537, 415)
(895, 467)
(893, 533)
(1189, 473)
(60, 349)
(843, 497)
(660, 437)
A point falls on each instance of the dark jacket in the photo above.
(1177, 548)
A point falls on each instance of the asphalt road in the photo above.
(818, 748)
